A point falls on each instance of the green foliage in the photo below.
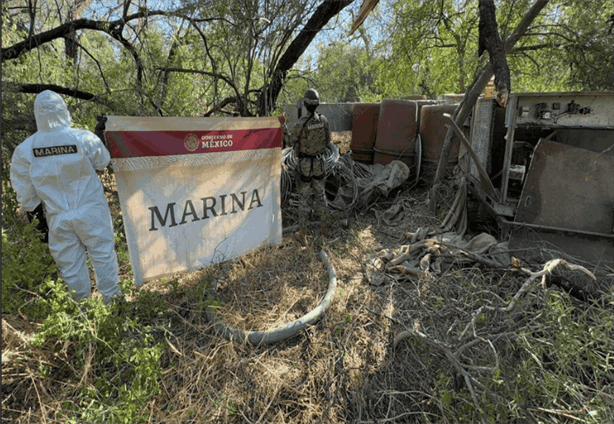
(567, 361)
(430, 48)
(547, 358)
(27, 266)
(200, 294)
(434, 47)
(586, 56)
(561, 362)
(344, 73)
(419, 47)
(114, 347)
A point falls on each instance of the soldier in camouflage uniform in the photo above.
(309, 137)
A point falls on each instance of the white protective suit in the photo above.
(57, 166)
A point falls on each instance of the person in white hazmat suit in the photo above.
(57, 166)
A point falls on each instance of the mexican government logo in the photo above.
(191, 142)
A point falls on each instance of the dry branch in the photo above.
(455, 352)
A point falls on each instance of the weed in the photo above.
(233, 406)
(201, 295)
(339, 331)
(126, 359)
(27, 266)
(174, 286)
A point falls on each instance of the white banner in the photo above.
(195, 191)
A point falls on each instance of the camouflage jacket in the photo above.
(310, 135)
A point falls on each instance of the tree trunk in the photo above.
(491, 41)
(71, 41)
(464, 108)
(323, 14)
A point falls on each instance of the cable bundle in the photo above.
(340, 182)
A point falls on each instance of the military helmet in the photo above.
(311, 97)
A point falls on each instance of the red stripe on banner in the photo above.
(130, 144)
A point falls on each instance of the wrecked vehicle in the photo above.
(549, 158)
(542, 168)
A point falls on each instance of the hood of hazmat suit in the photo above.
(57, 165)
(50, 111)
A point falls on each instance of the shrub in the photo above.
(27, 266)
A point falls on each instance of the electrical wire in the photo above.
(340, 180)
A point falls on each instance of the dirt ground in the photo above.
(345, 368)
(342, 369)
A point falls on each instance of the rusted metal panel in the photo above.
(569, 187)
(396, 132)
(364, 131)
(433, 131)
(568, 204)
(563, 202)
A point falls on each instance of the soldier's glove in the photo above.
(39, 214)
(100, 128)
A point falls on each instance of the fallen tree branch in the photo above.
(465, 352)
(548, 267)
(453, 357)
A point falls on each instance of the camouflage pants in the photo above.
(311, 193)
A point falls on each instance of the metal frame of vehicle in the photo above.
(550, 158)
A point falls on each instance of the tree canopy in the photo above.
(431, 47)
(194, 58)
(204, 58)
